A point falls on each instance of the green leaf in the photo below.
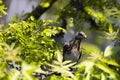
(13, 75)
(103, 76)
(71, 22)
(3, 68)
(90, 48)
(110, 28)
(66, 62)
(57, 78)
(88, 64)
(88, 76)
(32, 18)
(107, 69)
(58, 67)
(110, 61)
(45, 4)
(69, 65)
(96, 14)
(59, 56)
(28, 69)
(108, 51)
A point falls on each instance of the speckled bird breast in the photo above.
(74, 55)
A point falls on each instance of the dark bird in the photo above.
(72, 49)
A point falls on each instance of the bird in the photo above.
(72, 49)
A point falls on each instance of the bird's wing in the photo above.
(66, 48)
(80, 52)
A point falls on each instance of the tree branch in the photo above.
(39, 10)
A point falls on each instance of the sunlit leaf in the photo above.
(31, 41)
(28, 69)
(32, 18)
(89, 67)
(96, 56)
(111, 35)
(2, 8)
(96, 14)
(45, 4)
(103, 77)
(59, 56)
(110, 61)
(111, 50)
(57, 63)
(88, 64)
(63, 69)
(66, 62)
(90, 48)
(3, 68)
(57, 78)
(69, 65)
(110, 28)
(81, 64)
(13, 75)
(88, 76)
(71, 22)
(108, 51)
(107, 69)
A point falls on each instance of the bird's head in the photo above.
(80, 35)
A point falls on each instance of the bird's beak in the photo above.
(84, 36)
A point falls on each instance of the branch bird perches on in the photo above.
(72, 50)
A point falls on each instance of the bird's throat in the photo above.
(76, 44)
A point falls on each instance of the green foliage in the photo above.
(28, 41)
(97, 64)
(90, 48)
(34, 38)
(25, 46)
(110, 33)
(96, 15)
(62, 67)
(2, 9)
